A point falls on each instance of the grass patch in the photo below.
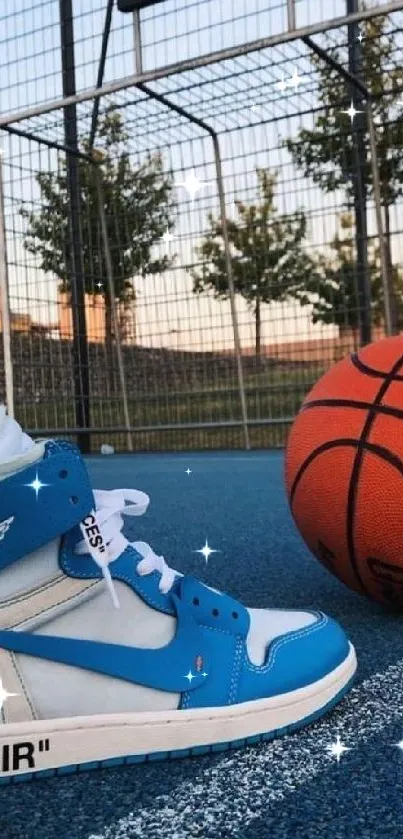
(273, 396)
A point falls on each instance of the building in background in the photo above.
(95, 315)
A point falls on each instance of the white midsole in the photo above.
(48, 744)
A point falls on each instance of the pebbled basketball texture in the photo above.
(344, 471)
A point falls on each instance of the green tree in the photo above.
(138, 209)
(332, 291)
(325, 152)
(268, 254)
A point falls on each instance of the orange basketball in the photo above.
(344, 471)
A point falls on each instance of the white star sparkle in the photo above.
(360, 37)
(190, 677)
(351, 112)
(167, 237)
(295, 80)
(399, 745)
(282, 84)
(4, 694)
(336, 749)
(100, 285)
(206, 551)
(188, 471)
(193, 184)
(36, 485)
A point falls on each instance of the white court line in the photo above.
(235, 790)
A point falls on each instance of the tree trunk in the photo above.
(258, 325)
(393, 306)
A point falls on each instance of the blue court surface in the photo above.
(292, 787)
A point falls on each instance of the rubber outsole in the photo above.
(194, 751)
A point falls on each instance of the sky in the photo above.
(167, 312)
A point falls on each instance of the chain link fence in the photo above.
(188, 248)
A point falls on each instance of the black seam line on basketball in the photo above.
(369, 371)
(352, 403)
(355, 472)
(330, 444)
(348, 442)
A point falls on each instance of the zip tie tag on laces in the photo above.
(97, 548)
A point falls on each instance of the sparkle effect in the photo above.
(4, 694)
(336, 749)
(189, 676)
(293, 81)
(206, 551)
(167, 238)
(351, 112)
(193, 185)
(188, 471)
(360, 37)
(282, 85)
(36, 485)
(399, 745)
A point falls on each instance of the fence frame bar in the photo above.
(201, 61)
(5, 302)
(390, 319)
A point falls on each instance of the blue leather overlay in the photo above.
(227, 654)
(215, 609)
(295, 660)
(182, 665)
(201, 601)
(123, 569)
(42, 514)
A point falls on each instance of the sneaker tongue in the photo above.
(13, 441)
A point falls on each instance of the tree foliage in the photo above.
(268, 253)
(138, 207)
(325, 152)
(332, 291)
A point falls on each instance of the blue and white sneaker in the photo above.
(177, 669)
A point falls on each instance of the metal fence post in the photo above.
(390, 309)
(111, 289)
(75, 257)
(5, 301)
(359, 187)
(231, 289)
(291, 15)
(388, 299)
(228, 261)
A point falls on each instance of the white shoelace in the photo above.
(110, 507)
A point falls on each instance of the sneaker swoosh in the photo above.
(180, 666)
